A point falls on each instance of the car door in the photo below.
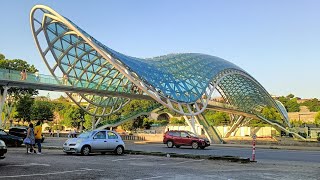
(176, 137)
(185, 138)
(113, 140)
(99, 141)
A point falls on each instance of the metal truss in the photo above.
(182, 82)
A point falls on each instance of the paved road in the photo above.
(54, 164)
(261, 154)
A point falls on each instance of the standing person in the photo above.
(37, 77)
(23, 74)
(75, 133)
(65, 79)
(30, 135)
(38, 136)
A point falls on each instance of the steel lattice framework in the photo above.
(181, 82)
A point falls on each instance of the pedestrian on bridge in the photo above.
(37, 77)
(65, 79)
(23, 74)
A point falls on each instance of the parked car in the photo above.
(10, 139)
(95, 141)
(3, 149)
(21, 132)
(184, 138)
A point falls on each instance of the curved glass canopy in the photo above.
(181, 82)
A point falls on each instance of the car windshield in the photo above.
(192, 134)
(85, 134)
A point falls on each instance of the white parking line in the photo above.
(182, 162)
(27, 165)
(53, 173)
(155, 177)
(115, 160)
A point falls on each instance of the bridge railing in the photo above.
(13, 75)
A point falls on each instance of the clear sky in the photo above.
(277, 42)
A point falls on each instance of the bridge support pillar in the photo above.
(191, 123)
(3, 100)
(235, 125)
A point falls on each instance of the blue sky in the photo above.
(277, 42)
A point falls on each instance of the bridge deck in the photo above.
(12, 78)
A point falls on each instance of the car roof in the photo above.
(20, 127)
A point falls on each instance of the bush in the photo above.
(160, 122)
(303, 134)
(176, 121)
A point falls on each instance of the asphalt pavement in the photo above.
(54, 164)
(262, 154)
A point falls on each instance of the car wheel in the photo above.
(169, 144)
(177, 146)
(119, 150)
(85, 150)
(202, 147)
(194, 145)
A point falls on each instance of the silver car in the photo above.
(95, 141)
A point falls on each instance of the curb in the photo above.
(191, 156)
(175, 155)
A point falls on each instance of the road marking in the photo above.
(182, 162)
(53, 173)
(29, 164)
(155, 177)
(115, 160)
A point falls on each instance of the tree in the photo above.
(147, 123)
(313, 105)
(2, 57)
(290, 96)
(24, 107)
(42, 110)
(72, 116)
(290, 103)
(216, 118)
(14, 94)
(270, 113)
(176, 121)
(17, 64)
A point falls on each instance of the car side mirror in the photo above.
(188, 136)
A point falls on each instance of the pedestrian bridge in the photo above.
(107, 79)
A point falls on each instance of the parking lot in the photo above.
(54, 164)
